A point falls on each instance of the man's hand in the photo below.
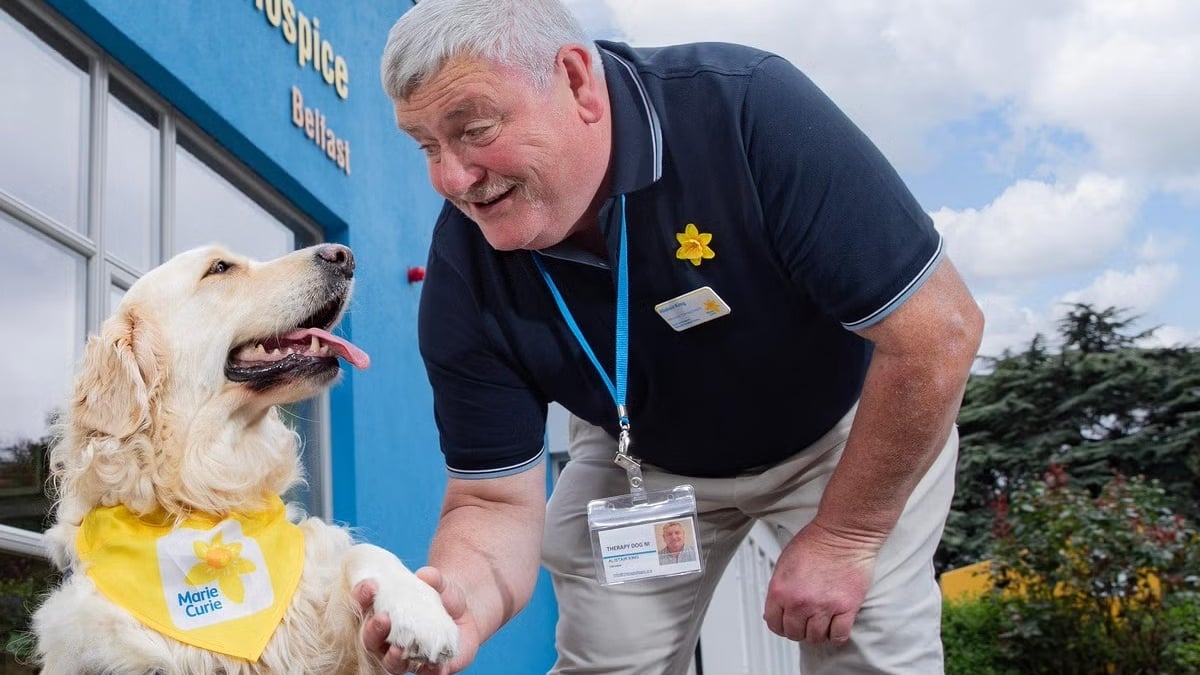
(376, 627)
(819, 584)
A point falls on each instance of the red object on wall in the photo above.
(416, 274)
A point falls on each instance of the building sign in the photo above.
(312, 50)
(312, 122)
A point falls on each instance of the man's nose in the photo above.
(454, 174)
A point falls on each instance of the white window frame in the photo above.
(105, 269)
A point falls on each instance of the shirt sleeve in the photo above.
(491, 423)
(846, 227)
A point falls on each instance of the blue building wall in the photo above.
(225, 66)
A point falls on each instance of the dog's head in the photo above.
(174, 406)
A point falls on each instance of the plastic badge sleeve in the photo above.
(650, 536)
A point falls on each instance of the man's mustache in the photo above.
(486, 193)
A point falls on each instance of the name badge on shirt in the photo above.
(692, 308)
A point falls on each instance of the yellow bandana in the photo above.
(218, 585)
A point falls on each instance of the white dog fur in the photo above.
(156, 422)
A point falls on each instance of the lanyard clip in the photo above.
(633, 467)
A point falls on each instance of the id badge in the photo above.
(650, 537)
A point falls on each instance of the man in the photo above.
(795, 341)
(675, 548)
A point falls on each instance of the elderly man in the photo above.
(692, 249)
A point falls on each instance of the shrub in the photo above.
(1095, 584)
(1183, 619)
(970, 630)
(23, 582)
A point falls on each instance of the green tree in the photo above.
(1098, 404)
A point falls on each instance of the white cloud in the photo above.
(1121, 75)
(1171, 336)
(1036, 229)
(899, 69)
(1012, 323)
(1137, 291)
(1009, 324)
(1160, 246)
(1124, 74)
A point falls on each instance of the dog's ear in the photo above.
(123, 367)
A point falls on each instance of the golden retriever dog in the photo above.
(179, 556)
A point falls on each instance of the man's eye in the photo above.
(429, 150)
(480, 133)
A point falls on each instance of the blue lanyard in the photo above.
(622, 336)
(621, 366)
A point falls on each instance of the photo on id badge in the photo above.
(677, 542)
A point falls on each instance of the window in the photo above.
(131, 179)
(208, 209)
(99, 181)
(44, 120)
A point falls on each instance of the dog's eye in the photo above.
(219, 267)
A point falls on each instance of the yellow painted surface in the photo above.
(966, 582)
(974, 580)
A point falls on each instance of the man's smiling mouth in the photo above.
(484, 205)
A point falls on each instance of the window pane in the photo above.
(209, 210)
(23, 582)
(130, 185)
(115, 294)
(41, 345)
(41, 125)
(304, 417)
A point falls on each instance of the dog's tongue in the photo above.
(357, 357)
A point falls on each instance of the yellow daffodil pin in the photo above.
(222, 563)
(693, 245)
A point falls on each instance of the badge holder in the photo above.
(643, 535)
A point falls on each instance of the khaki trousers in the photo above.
(651, 627)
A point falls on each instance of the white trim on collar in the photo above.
(651, 114)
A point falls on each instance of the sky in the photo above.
(1056, 145)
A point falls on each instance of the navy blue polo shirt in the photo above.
(814, 236)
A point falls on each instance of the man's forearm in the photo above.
(910, 400)
(898, 431)
(489, 542)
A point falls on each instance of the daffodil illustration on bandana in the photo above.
(693, 245)
(221, 585)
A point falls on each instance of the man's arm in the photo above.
(913, 390)
(483, 561)
(914, 386)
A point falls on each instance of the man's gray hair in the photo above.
(525, 34)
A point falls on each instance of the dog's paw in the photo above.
(420, 624)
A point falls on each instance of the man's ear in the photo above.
(590, 97)
(123, 368)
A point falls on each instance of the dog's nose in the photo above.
(337, 257)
